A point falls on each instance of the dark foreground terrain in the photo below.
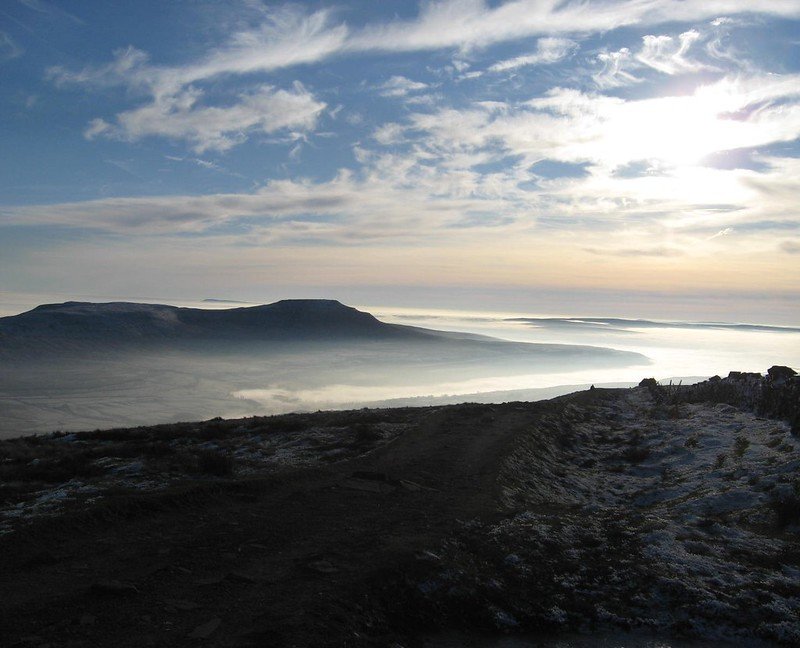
(662, 509)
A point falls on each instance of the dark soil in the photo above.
(293, 558)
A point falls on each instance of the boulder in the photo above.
(779, 373)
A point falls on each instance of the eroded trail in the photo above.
(281, 558)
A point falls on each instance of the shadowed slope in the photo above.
(81, 326)
(93, 329)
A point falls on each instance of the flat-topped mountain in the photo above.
(90, 328)
(81, 365)
(295, 316)
(76, 324)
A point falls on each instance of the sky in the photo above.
(595, 157)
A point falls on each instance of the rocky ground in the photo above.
(669, 510)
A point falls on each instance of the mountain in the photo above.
(79, 365)
(82, 326)
(90, 329)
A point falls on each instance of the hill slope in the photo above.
(603, 511)
(83, 326)
(80, 366)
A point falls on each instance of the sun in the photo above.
(679, 131)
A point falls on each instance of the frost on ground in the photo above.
(663, 508)
(641, 510)
(48, 475)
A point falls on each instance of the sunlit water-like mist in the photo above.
(675, 352)
(141, 391)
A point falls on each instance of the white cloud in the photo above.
(97, 127)
(179, 117)
(665, 54)
(474, 23)
(659, 251)
(287, 37)
(390, 133)
(128, 67)
(9, 49)
(290, 36)
(400, 86)
(723, 232)
(548, 50)
(572, 126)
(614, 73)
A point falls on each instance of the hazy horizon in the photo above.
(449, 164)
(608, 158)
(655, 307)
(140, 387)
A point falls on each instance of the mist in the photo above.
(494, 357)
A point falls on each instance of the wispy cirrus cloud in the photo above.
(288, 36)
(50, 10)
(548, 50)
(663, 53)
(469, 24)
(176, 109)
(670, 55)
(9, 48)
(616, 70)
(660, 251)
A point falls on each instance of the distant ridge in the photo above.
(82, 330)
(619, 325)
(212, 300)
(79, 326)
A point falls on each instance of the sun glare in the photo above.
(678, 131)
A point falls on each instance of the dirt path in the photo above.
(671, 511)
(281, 561)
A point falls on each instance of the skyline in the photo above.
(600, 155)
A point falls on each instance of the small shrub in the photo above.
(287, 423)
(740, 446)
(636, 454)
(55, 470)
(786, 507)
(365, 434)
(216, 428)
(692, 441)
(721, 459)
(215, 463)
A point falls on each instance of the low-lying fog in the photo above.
(148, 389)
(676, 349)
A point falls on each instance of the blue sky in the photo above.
(458, 152)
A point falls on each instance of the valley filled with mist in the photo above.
(79, 365)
